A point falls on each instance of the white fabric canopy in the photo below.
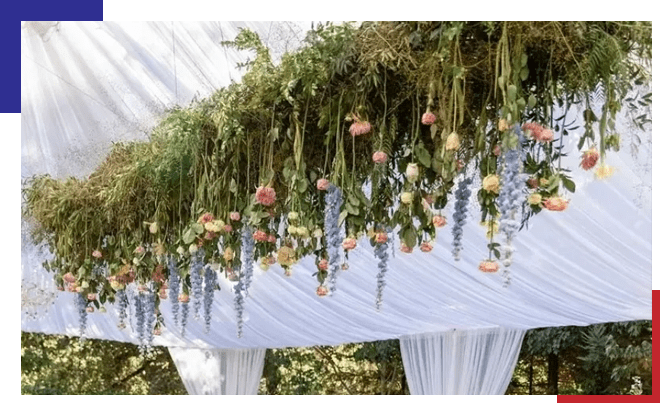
(459, 362)
(86, 85)
(219, 372)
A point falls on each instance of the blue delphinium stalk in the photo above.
(149, 307)
(381, 254)
(174, 288)
(462, 194)
(333, 202)
(210, 281)
(510, 198)
(81, 305)
(245, 276)
(139, 316)
(184, 317)
(122, 302)
(196, 280)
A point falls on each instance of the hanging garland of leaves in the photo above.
(402, 107)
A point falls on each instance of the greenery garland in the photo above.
(398, 106)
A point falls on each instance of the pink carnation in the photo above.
(359, 127)
(323, 264)
(539, 132)
(428, 118)
(265, 195)
(321, 291)
(406, 249)
(379, 157)
(97, 254)
(260, 236)
(206, 217)
(381, 237)
(349, 243)
(555, 203)
(272, 239)
(439, 221)
(235, 216)
(227, 228)
(69, 278)
(589, 159)
(426, 247)
(488, 266)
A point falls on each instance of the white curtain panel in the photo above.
(219, 372)
(460, 362)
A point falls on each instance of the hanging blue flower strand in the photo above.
(510, 198)
(196, 280)
(149, 307)
(81, 305)
(380, 252)
(122, 302)
(210, 281)
(184, 317)
(174, 281)
(139, 316)
(462, 194)
(333, 202)
(245, 277)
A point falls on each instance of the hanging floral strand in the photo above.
(380, 252)
(196, 268)
(333, 202)
(122, 300)
(510, 198)
(174, 288)
(149, 308)
(139, 316)
(210, 282)
(460, 214)
(81, 306)
(240, 289)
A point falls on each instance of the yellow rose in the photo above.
(453, 142)
(229, 254)
(491, 183)
(286, 256)
(293, 216)
(153, 227)
(406, 197)
(503, 125)
(534, 199)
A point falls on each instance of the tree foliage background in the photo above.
(612, 358)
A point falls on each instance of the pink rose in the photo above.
(439, 221)
(349, 243)
(235, 216)
(260, 236)
(428, 118)
(323, 264)
(90, 309)
(426, 247)
(206, 217)
(91, 297)
(97, 254)
(405, 249)
(589, 159)
(381, 237)
(227, 228)
(322, 184)
(555, 203)
(184, 298)
(321, 291)
(488, 266)
(359, 127)
(69, 278)
(379, 157)
(538, 132)
(265, 195)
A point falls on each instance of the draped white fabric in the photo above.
(86, 85)
(219, 372)
(459, 362)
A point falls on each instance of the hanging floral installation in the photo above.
(366, 131)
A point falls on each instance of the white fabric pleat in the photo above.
(88, 84)
(459, 362)
(219, 372)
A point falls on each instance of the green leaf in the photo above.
(198, 228)
(568, 184)
(188, 236)
(531, 101)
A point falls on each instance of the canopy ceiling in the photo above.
(86, 85)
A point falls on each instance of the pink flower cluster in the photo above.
(428, 118)
(381, 237)
(359, 127)
(349, 243)
(539, 132)
(533, 183)
(265, 195)
(260, 236)
(589, 159)
(184, 298)
(439, 221)
(235, 216)
(97, 254)
(379, 157)
(488, 266)
(322, 184)
(321, 291)
(405, 249)
(323, 264)
(69, 278)
(555, 203)
(206, 217)
(426, 247)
